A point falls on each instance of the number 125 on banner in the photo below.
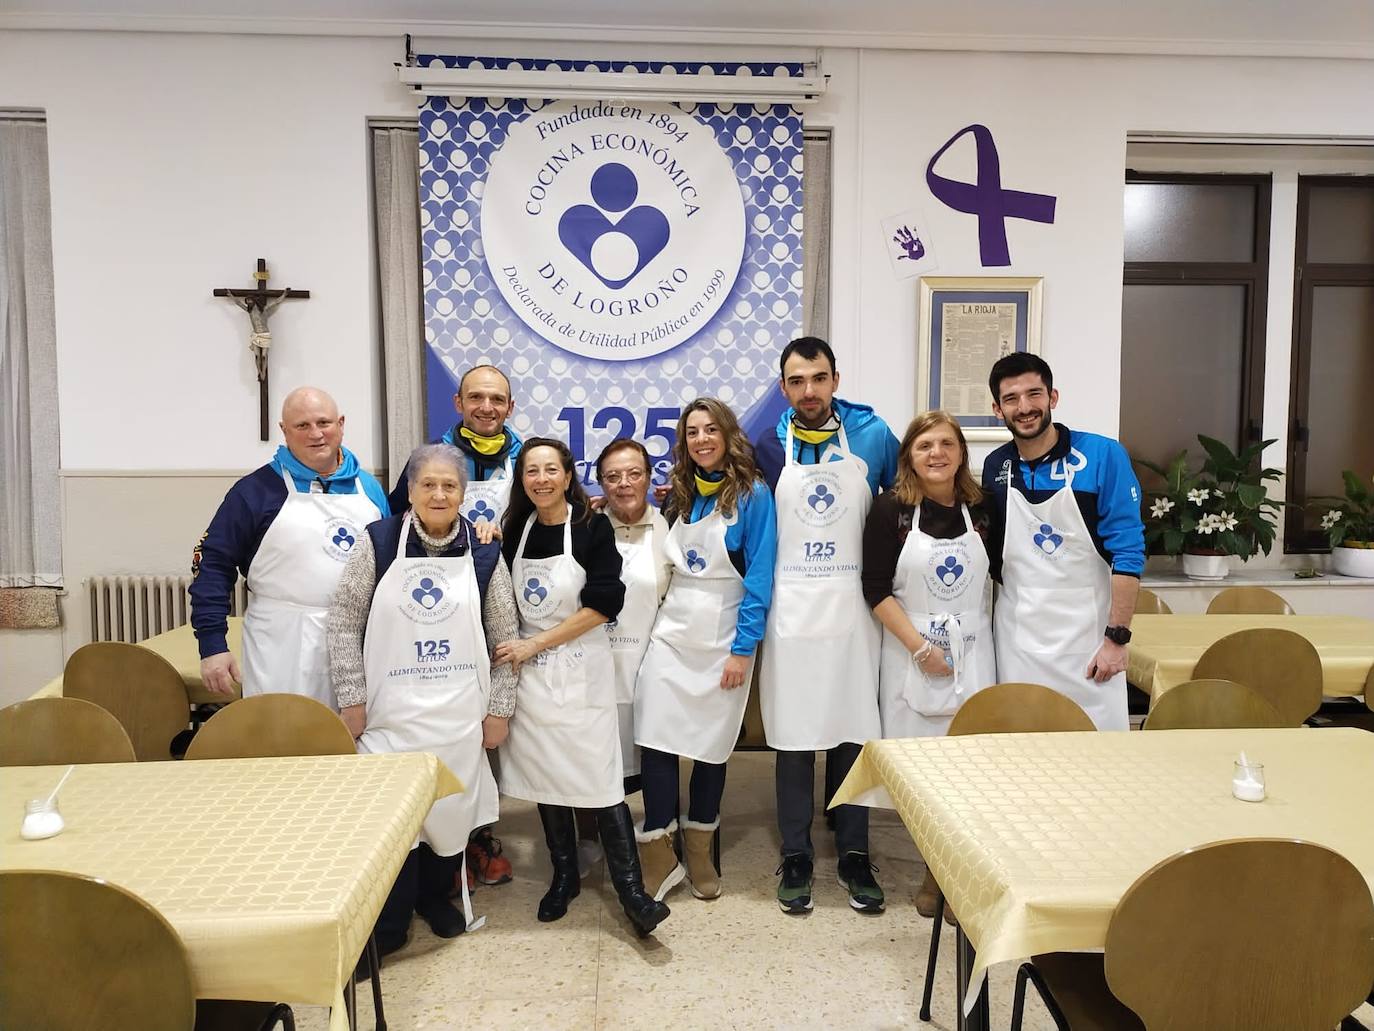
(659, 424)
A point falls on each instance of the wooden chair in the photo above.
(80, 954)
(1010, 708)
(1280, 665)
(1248, 601)
(1254, 934)
(1151, 604)
(266, 725)
(1212, 705)
(138, 687)
(272, 725)
(58, 731)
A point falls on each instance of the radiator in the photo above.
(136, 607)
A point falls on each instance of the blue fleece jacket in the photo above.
(869, 439)
(752, 544)
(480, 466)
(226, 549)
(1104, 487)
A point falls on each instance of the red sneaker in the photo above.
(486, 864)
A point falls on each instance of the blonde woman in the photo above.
(690, 693)
(926, 576)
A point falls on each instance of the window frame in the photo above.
(1254, 275)
(1299, 537)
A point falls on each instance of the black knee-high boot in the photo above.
(560, 833)
(622, 860)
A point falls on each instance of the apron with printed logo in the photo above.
(680, 706)
(428, 682)
(487, 499)
(1055, 602)
(818, 685)
(944, 589)
(630, 632)
(292, 580)
(564, 745)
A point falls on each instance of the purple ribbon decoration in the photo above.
(985, 197)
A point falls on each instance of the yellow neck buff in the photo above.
(819, 436)
(483, 445)
(707, 487)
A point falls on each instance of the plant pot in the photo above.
(1353, 561)
(1206, 567)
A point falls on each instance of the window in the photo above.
(1333, 347)
(1193, 311)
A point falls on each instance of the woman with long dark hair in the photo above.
(563, 748)
(690, 694)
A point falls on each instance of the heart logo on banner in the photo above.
(614, 252)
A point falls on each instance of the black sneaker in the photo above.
(794, 890)
(856, 877)
(444, 918)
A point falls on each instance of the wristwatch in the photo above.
(1118, 634)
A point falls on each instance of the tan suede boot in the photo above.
(927, 895)
(658, 862)
(696, 849)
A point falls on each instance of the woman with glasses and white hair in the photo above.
(420, 608)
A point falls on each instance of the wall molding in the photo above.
(681, 34)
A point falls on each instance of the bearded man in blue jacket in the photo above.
(818, 674)
(288, 529)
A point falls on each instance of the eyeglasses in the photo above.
(616, 479)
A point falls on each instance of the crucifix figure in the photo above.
(259, 303)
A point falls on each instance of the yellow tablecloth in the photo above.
(272, 871)
(1035, 837)
(179, 648)
(1164, 649)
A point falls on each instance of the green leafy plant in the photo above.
(1350, 523)
(1221, 508)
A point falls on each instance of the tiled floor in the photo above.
(736, 962)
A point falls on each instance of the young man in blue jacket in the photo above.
(484, 402)
(1067, 544)
(288, 529)
(818, 678)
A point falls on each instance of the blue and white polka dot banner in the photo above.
(617, 259)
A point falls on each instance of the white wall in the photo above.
(177, 160)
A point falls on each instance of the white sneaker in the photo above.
(589, 853)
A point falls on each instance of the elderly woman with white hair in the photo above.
(422, 603)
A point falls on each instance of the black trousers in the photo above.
(424, 877)
(794, 776)
(659, 782)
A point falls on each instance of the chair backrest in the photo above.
(1212, 705)
(1014, 708)
(1250, 934)
(1248, 601)
(1151, 604)
(81, 954)
(138, 687)
(53, 731)
(271, 725)
(1278, 664)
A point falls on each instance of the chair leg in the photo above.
(1018, 1001)
(375, 957)
(933, 955)
(280, 1014)
(351, 1001)
(1046, 996)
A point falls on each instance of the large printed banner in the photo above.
(617, 259)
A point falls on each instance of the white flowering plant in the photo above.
(1349, 521)
(1221, 508)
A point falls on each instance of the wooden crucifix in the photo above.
(259, 303)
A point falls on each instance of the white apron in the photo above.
(630, 633)
(943, 587)
(563, 747)
(1055, 602)
(818, 685)
(292, 580)
(680, 706)
(428, 681)
(487, 499)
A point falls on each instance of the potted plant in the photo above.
(1219, 510)
(1350, 528)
